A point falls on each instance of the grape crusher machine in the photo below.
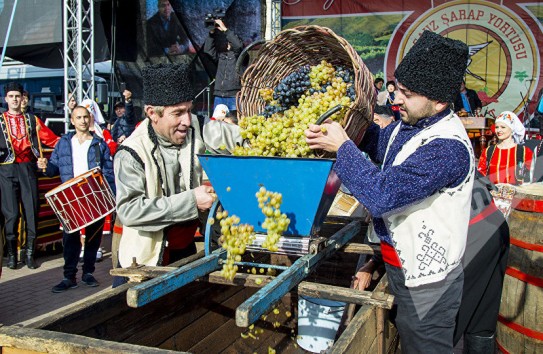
(308, 187)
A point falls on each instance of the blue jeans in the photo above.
(230, 102)
(426, 315)
(72, 249)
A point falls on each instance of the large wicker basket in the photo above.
(308, 45)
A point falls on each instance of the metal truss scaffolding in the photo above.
(275, 17)
(78, 51)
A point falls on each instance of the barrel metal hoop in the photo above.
(526, 245)
(528, 205)
(501, 348)
(520, 329)
(527, 278)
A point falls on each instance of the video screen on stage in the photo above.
(178, 27)
(34, 22)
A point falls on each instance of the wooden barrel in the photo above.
(520, 325)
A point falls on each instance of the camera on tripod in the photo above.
(217, 14)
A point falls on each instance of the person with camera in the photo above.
(224, 46)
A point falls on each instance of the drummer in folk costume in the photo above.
(422, 221)
(20, 148)
(160, 195)
(76, 153)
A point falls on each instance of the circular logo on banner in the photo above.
(503, 64)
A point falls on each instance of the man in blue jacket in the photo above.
(76, 153)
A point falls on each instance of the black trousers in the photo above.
(484, 263)
(72, 249)
(18, 182)
(425, 316)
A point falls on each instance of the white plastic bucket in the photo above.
(318, 322)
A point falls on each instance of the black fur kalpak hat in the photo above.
(13, 86)
(434, 67)
(167, 84)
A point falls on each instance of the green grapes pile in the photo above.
(275, 222)
(297, 101)
(234, 239)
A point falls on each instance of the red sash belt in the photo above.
(181, 235)
(491, 208)
(389, 255)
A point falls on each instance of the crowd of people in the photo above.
(443, 242)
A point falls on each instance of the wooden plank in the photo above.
(318, 290)
(54, 342)
(217, 313)
(160, 329)
(141, 273)
(337, 293)
(226, 340)
(263, 300)
(241, 279)
(281, 338)
(8, 350)
(180, 307)
(359, 248)
(339, 219)
(360, 335)
(155, 288)
(224, 336)
(86, 313)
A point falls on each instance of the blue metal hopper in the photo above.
(308, 187)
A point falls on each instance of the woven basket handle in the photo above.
(328, 113)
(243, 54)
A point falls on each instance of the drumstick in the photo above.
(38, 128)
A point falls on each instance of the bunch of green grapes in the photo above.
(321, 74)
(234, 239)
(279, 131)
(275, 222)
(266, 94)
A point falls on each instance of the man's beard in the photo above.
(414, 117)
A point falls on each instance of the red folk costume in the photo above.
(21, 136)
(503, 166)
(17, 127)
(511, 164)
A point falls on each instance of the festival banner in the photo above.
(504, 38)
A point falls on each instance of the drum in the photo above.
(520, 329)
(82, 200)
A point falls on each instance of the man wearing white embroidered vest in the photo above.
(420, 197)
(160, 196)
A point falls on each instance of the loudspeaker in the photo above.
(101, 93)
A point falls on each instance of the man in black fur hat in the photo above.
(420, 197)
(160, 195)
